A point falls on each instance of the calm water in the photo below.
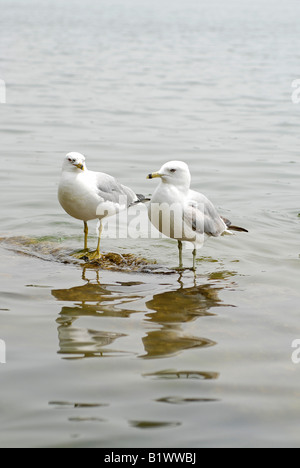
(125, 359)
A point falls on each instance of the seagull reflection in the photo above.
(170, 310)
(83, 342)
(165, 317)
(88, 301)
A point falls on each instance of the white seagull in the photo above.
(183, 214)
(88, 195)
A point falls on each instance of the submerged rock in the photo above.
(51, 250)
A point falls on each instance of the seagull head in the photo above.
(74, 162)
(175, 173)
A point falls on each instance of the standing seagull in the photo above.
(183, 214)
(88, 195)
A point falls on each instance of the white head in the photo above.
(175, 173)
(74, 162)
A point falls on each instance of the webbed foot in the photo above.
(87, 255)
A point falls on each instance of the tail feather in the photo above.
(236, 228)
(233, 228)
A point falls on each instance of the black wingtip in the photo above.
(237, 228)
(140, 199)
(233, 228)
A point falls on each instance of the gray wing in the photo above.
(109, 189)
(205, 216)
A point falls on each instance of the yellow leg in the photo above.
(86, 233)
(180, 255)
(82, 253)
(194, 260)
(96, 255)
(99, 240)
(85, 254)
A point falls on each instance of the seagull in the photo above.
(88, 195)
(183, 214)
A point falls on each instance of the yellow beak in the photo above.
(80, 166)
(155, 175)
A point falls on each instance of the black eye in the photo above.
(172, 171)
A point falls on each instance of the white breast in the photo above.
(166, 212)
(76, 198)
